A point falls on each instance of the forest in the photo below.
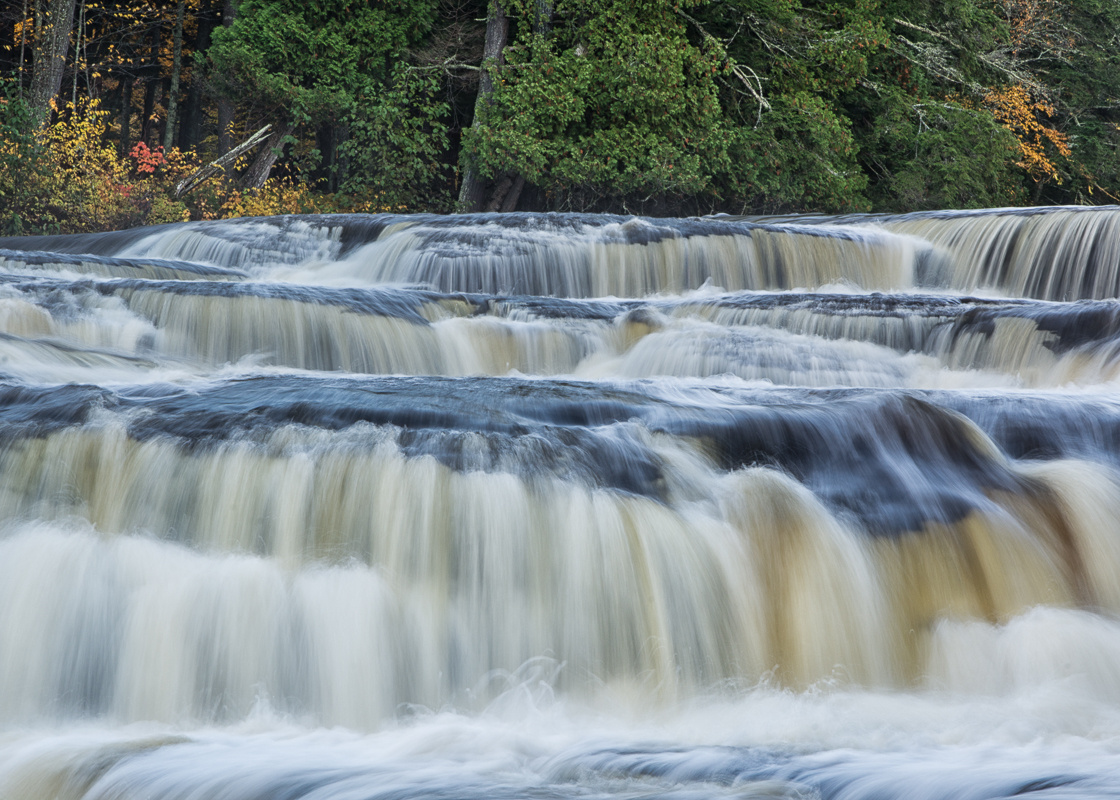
(116, 113)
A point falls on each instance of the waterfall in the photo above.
(304, 506)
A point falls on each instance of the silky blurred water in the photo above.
(562, 506)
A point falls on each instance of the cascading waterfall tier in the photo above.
(362, 506)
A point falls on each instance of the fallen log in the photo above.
(219, 165)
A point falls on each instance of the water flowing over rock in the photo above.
(562, 506)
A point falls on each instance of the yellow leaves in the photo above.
(287, 196)
(79, 182)
(277, 196)
(1021, 115)
(1037, 24)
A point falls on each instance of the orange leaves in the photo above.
(1021, 115)
(147, 161)
(1037, 25)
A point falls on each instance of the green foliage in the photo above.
(644, 106)
(808, 157)
(616, 103)
(398, 134)
(306, 61)
(943, 155)
(23, 167)
(620, 109)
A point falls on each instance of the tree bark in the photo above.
(258, 171)
(50, 56)
(176, 70)
(221, 164)
(542, 24)
(149, 109)
(510, 203)
(152, 72)
(508, 190)
(225, 107)
(126, 116)
(472, 191)
(22, 45)
(542, 17)
(78, 54)
(190, 129)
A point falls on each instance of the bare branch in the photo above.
(738, 69)
(219, 165)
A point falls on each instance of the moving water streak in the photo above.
(562, 505)
(519, 518)
(1050, 254)
(877, 340)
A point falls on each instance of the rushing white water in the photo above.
(562, 506)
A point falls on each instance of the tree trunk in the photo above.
(176, 70)
(126, 116)
(501, 189)
(225, 125)
(341, 161)
(542, 17)
(225, 107)
(78, 55)
(160, 126)
(324, 173)
(22, 45)
(149, 109)
(510, 203)
(220, 164)
(472, 192)
(508, 190)
(50, 56)
(151, 71)
(258, 171)
(190, 129)
(507, 203)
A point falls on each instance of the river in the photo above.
(562, 506)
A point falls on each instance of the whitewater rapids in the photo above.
(550, 506)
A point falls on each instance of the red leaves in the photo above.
(147, 161)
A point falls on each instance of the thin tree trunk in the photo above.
(510, 203)
(508, 190)
(176, 69)
(38, 30)
(258, 171)
(161, 122)
(50, 56)
(150, 82)
(149, 109)
(542, 17)
(22, 45)
(126, 116)
(221, 164)
(341, 161)
(78, 54)
(225, 107)
(472, 192)
(225, 125)
(190, 129)
(85, 54)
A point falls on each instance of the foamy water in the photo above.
(562, 506)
